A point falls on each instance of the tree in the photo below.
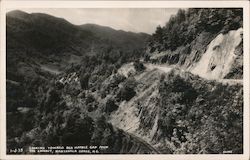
(78, 131)
(139, 66)
(158, 34)
(127, 90)
(110, 106)
(180, 17)
(84, 80)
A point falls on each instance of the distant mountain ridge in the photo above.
(41, 48)
(48, 40)
(42, 32)
(108, 96)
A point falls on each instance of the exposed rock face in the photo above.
(153, 109)
(219, 57)
(185, 55)
(196, 49)
(236, 71)
(129, 113)
(209, 56)
(202, 41)
(139, 116)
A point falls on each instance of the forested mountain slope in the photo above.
(181, 92)
(207, 42)
(43, 40)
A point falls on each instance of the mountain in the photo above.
(43, 33)
(123, 38)
(95, 86)
(51, 35)
(54, 42)
(41, 48)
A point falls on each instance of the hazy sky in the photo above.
(128, 19)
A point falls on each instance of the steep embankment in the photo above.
(135, 108)
(175, 112)
(69, 116)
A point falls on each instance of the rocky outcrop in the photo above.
(131, 107)
(220, 56)
(236, 71)
(210, 56)
(187, 55)
(202, 41)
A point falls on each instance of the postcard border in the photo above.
(123, 4)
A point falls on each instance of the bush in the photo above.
(139, 66)
(127, 91)
(110, 106)
(204, 120)
(146, 58)
(52, 97)
(78, 130)
(89, 99)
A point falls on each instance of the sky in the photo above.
(127, 19)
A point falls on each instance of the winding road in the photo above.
(166, 69)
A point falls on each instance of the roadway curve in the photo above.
(166, 69)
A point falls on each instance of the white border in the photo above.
(124, 4)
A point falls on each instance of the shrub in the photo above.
(89, 99)
(126, 93)
(139, 66)
(110, 106)
(78, 130)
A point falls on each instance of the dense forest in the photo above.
(186, 25)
